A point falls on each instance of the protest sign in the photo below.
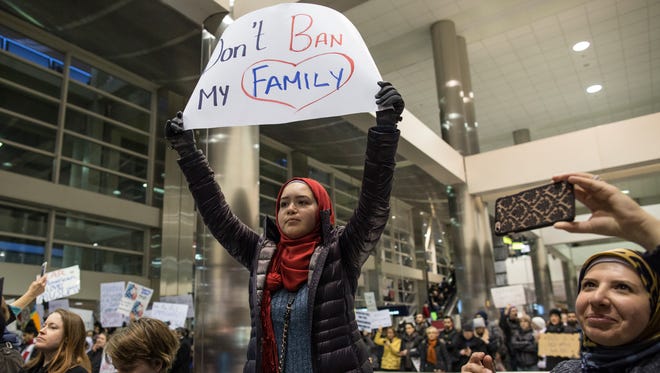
(181, 299)
(135, 300)
(363, 319)
(111, 295)
(59, 303)
(508, 295)
(559, 344)
(61, 283)
(172, 313)
(370, 300)
(380, 319)
(87, 317)
(284, 63)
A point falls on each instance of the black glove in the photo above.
(183, 141)
(390, 106)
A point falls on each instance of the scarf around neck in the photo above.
(289, 267)
(597, 358)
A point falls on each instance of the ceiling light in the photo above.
(1, 143)
(625, 191)
(580, 46)
(594, 88)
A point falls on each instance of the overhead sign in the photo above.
(284, 63)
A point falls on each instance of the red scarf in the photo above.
(290, 267)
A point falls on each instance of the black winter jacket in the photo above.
(335, 265)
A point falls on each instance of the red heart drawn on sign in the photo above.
(297, 85)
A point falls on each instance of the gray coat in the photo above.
(335, 265)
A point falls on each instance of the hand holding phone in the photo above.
(535, 208)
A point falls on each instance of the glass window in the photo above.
(273, 172)
(107, 132)
(84, 177)
(23, 221)
(342, 213)
(89, 152)
(30, 76)
(77, 229)
(108, 107)
(25, 162)
(322, 177)
(20, 250)
(273, 155)
(31, 50)
(95, 77)
(27, 133)
(96, 260)
(21, 102)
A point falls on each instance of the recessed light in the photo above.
(625, 191)
(580, 46)
(594, 88)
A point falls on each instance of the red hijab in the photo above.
(289, 267)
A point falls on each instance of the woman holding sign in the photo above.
(617, 303)
(303, 270)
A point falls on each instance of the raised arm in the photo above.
(365, 227)
(36, 288)
(612, 212)
(237, 238)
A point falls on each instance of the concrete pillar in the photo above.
(471, 136)
(448, 84)
(541, 270)
(570, 282)
(471, 237)
(222, 311)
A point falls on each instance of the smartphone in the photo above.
(43, 268)
(535, 208)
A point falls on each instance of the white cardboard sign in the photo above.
(135, 300)
(61, 283)
(284, 63)
(508, 295)
(111, 295)
(173, 313)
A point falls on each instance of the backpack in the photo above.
(10, 359)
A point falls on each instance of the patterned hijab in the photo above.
(597, 358)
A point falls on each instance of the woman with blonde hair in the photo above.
(60, 345)
(146, 345)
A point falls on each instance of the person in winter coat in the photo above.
(618, 300)
(524, 345)
(303, 270)
(432, 352)
(391, 361)
(410, 340)
(465, 343)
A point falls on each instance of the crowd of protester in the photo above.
(39, 345)
(424, 345)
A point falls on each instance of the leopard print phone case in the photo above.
(535, 208)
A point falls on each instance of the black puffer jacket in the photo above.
(334, 267)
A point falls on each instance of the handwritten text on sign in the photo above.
(61, 283)
(284, 63)
(559, 344)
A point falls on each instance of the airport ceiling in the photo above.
(524, 73)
